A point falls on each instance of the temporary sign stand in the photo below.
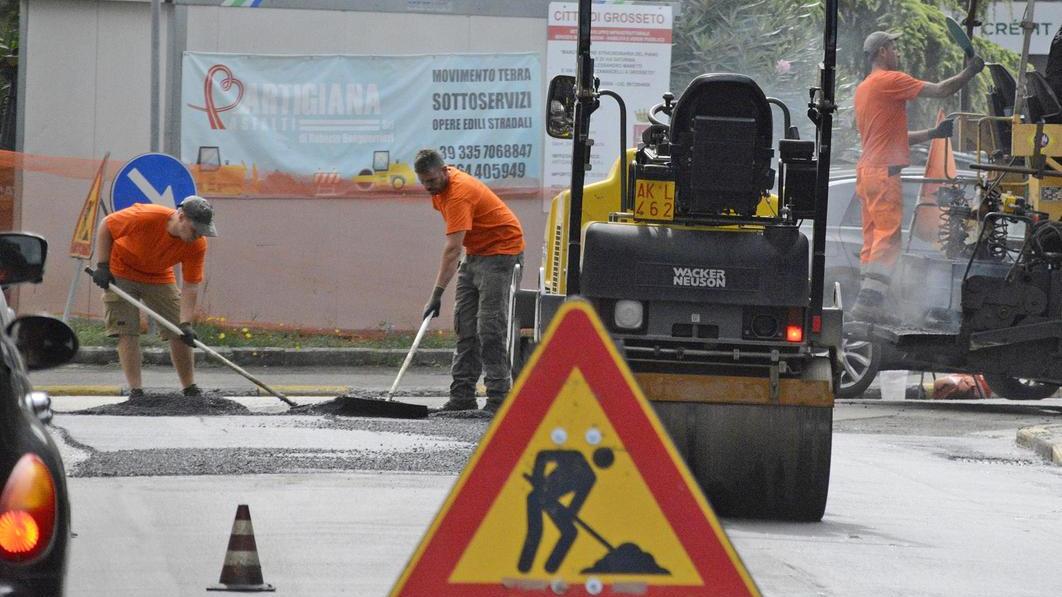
(575, 489)
(84, 239)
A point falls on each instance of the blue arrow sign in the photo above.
(152, 178)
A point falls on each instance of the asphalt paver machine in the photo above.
(986, 297)
(710, 290)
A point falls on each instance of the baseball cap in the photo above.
(876, 40)
(200, 214)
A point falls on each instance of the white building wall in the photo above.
(327, 263)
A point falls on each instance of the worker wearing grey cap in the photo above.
(881, 117)
(136, 249)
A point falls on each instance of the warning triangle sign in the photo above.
(81, 244)
(575, 489)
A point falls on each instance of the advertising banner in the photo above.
(344, 125)
(1002, 25)
(631, 47)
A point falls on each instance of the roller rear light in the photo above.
(794, 332)
(27, 510)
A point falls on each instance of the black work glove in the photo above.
(188, 335)
(434, 305)
(103, 277)
(943, 130)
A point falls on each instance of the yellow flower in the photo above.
(247, 335)
(244, 330)
(221, 336)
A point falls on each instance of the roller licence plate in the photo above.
(654, 200)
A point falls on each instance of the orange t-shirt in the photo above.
(144, 251)
(881, 117)
(490, 226)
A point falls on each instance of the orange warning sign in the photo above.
(85, 229)
(575, 489)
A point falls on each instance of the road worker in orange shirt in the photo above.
(881, 117)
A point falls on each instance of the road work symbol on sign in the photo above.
(152, 178)
(571, 475)
(575, 488)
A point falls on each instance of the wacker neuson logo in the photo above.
(699, 277)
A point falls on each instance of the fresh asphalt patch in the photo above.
(268, 444)
(472, 413)
(248, 461)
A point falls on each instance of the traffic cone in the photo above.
(241, 570)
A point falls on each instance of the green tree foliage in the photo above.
(779, 43)
(776, 42)
(8, 71)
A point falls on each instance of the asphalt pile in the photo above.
(168, 404)
(353, 403)
(626, 559)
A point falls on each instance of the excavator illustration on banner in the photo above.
(216, 179)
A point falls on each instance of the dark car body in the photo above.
(34, 503)
(844, 230)
(844, 240)
(21, 433)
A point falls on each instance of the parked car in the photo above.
(34, 505)
(844, 240)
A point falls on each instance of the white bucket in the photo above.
(893, 385)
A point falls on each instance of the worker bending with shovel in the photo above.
(881, 117)
(136, 249)
(493, 241)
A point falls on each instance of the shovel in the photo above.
(409, 357)
(389, 407)
(176, 330)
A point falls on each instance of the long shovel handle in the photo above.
(409, 357)
(176, 330)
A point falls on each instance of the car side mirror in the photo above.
(44, 341)
(560, 107)
(22, 258)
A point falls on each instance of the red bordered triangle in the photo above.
(575, 399)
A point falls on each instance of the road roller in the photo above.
(692, 254)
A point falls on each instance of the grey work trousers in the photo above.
(481, 318)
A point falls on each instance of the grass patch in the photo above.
(215, 334)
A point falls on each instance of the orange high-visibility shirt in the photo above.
(468, 205)
(881, 117)
(144, 251)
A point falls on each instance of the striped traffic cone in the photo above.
(241, 570)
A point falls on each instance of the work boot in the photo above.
(492, 405)
(454, 404)
(136, 393)
(870, 308)
(192, 391)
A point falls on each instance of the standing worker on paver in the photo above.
(881, 117)
(494, 244)
(137, 248)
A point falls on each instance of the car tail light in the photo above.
(27, 510)
(794, 333)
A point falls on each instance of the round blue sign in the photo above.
(152, 178)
